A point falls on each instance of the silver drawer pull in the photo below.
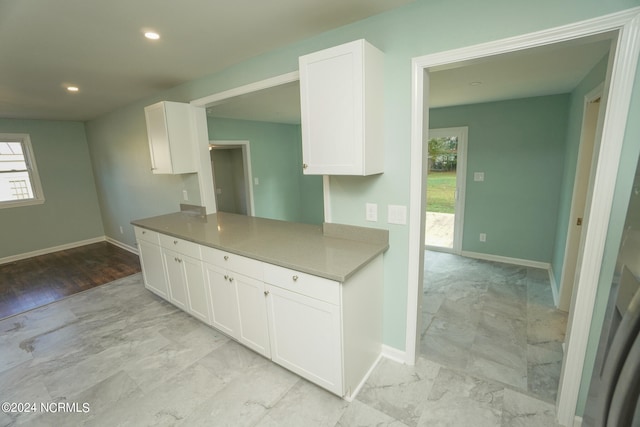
(295, 278)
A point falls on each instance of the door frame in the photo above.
(626, 25)
(574, 235)
(462, 132)
(246, 164)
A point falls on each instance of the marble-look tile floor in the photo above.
(494, 321)
(117, 355)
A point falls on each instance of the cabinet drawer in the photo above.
(243, 265)
(147, 235)
(182, 246)
(302, 283)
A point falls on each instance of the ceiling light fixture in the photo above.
(151, 35)
(475, 83)
(73, 88)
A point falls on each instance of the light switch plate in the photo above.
(397, 214)
(478, 176)
(372, 212)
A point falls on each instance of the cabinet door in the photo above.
(175, 278)
(152, 268)
(252, 308)
(223, 300)
(196, 289)
(341, 110)
(171, 138)
(305, 337)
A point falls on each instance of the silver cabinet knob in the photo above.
(226, 277)
(226, 257)
(175, 242)
(304, 166)
(144, 232)
(266, 293)
(230, 279)
(295, 278)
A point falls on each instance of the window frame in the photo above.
(38, 195)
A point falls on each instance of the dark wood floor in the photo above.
(37, 281)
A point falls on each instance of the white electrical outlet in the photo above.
(478, 176)
(372, 211)
(185, 194)
(256, 181)
(483, 237)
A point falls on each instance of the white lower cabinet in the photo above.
(306, 337)
(152, 268)
(325, 331)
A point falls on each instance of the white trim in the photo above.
(507, 260)
(554, 286)
(52, 249)
(216, 98)
(625, 62)
(394, 354)
(248, 175)
(462, 132)
(577, 421)
(122, 245)
(326, 196)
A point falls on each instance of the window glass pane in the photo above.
(15, 186)
(12, 157)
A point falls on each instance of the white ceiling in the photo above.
(98, 46)
(547, 70)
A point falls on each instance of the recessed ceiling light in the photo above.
(475, 83)
(151, 35)
(73, 88)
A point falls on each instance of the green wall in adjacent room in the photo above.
(519, 145)
(70, 212)
(283, 191)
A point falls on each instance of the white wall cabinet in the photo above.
(341, 98)
(327, 332)
(171, 138)
(151, 262)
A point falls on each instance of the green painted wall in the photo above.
(70, 212)
(283, 191)
(519, 145)
(576, 110)
(119, 148)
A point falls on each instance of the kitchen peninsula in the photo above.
(308, 297)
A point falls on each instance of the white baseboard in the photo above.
(554, 287)
(355, 392)
(507, 260)
(52, 249)
(394, 354)
(122, 245)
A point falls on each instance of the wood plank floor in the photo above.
(37, 281)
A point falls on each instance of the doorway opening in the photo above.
(619, 27)
(587, 158)
(445, 185)
(231, 167)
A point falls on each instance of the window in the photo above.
(19, 181)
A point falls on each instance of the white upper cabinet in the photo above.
(341, 92)
(171, 138)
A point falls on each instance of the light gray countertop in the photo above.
(332, 251)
